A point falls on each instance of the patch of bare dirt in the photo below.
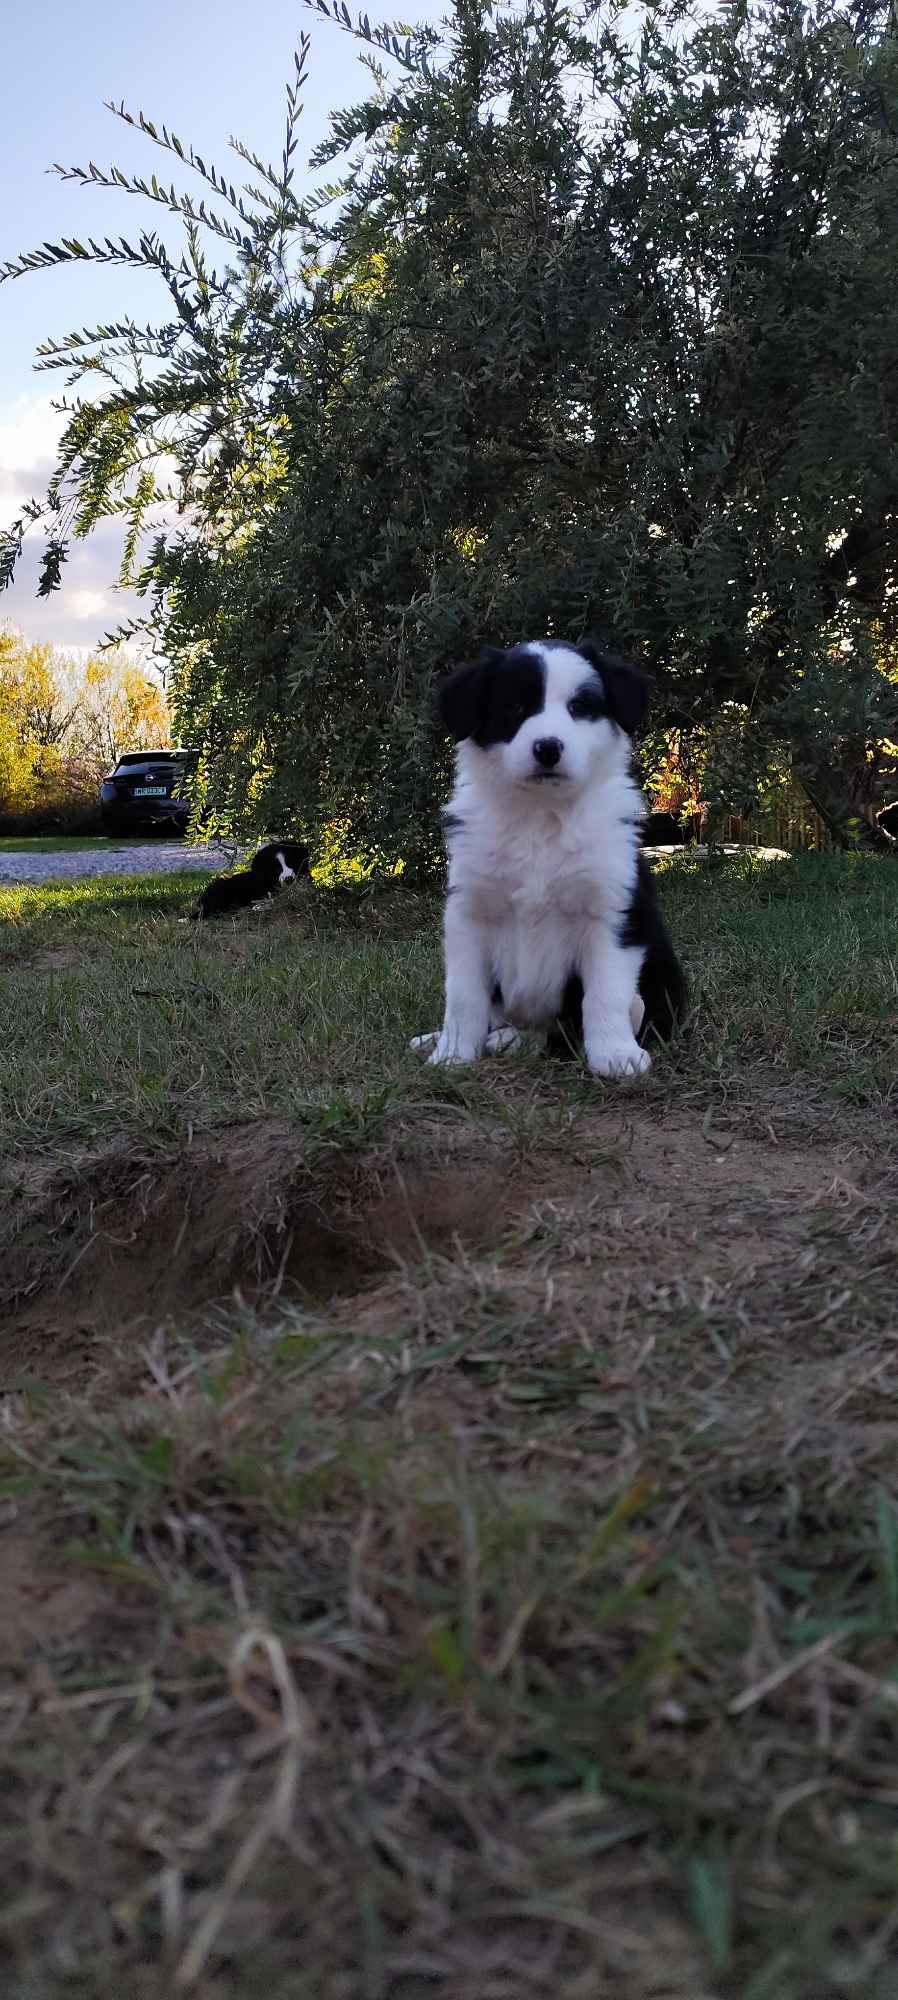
(126, 1240)
(40, 1603)
(61, 958)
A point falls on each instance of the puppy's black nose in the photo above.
(547, 751)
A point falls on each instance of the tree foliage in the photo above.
(63, 722)
(596, 327)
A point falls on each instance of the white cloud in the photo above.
(29, 434)
(89, 604)
(86, 606)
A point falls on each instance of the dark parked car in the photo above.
(148, 790)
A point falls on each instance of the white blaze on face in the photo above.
(584, 740)
(286, 874)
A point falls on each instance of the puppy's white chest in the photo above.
(534, 951)
(541, 899)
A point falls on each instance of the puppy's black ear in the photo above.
(460, 698)
(627, 687)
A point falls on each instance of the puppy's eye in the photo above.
(585, 707)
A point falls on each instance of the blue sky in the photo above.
(207, 69)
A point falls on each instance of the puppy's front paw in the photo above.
(500, 1040)
(421, 1044)
(618, 1059)
(449, 1051)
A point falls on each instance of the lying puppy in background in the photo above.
(279, 862)
(552, 919)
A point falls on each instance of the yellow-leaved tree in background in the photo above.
(63, 722)
(120, 709)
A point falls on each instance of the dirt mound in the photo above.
(120, 1242)
(128, 1238)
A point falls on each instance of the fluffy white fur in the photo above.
(541, 875)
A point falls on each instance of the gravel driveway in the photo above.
(157, 857)
(168, 857)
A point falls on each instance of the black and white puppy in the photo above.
(279, 862)
(552, 920)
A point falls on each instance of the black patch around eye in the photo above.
(625, 684)
(515, 691)
(587, 705)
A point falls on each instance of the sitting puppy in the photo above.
(268, 870)
(551, 920)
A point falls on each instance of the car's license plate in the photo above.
(150, 791)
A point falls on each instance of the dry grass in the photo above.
(450, 1544)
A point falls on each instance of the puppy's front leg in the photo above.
(610, 996)
(499, 1039)
(467, 1016)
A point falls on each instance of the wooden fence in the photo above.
(796, 828)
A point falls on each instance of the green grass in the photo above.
(137, 1015)
(451, 1545)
